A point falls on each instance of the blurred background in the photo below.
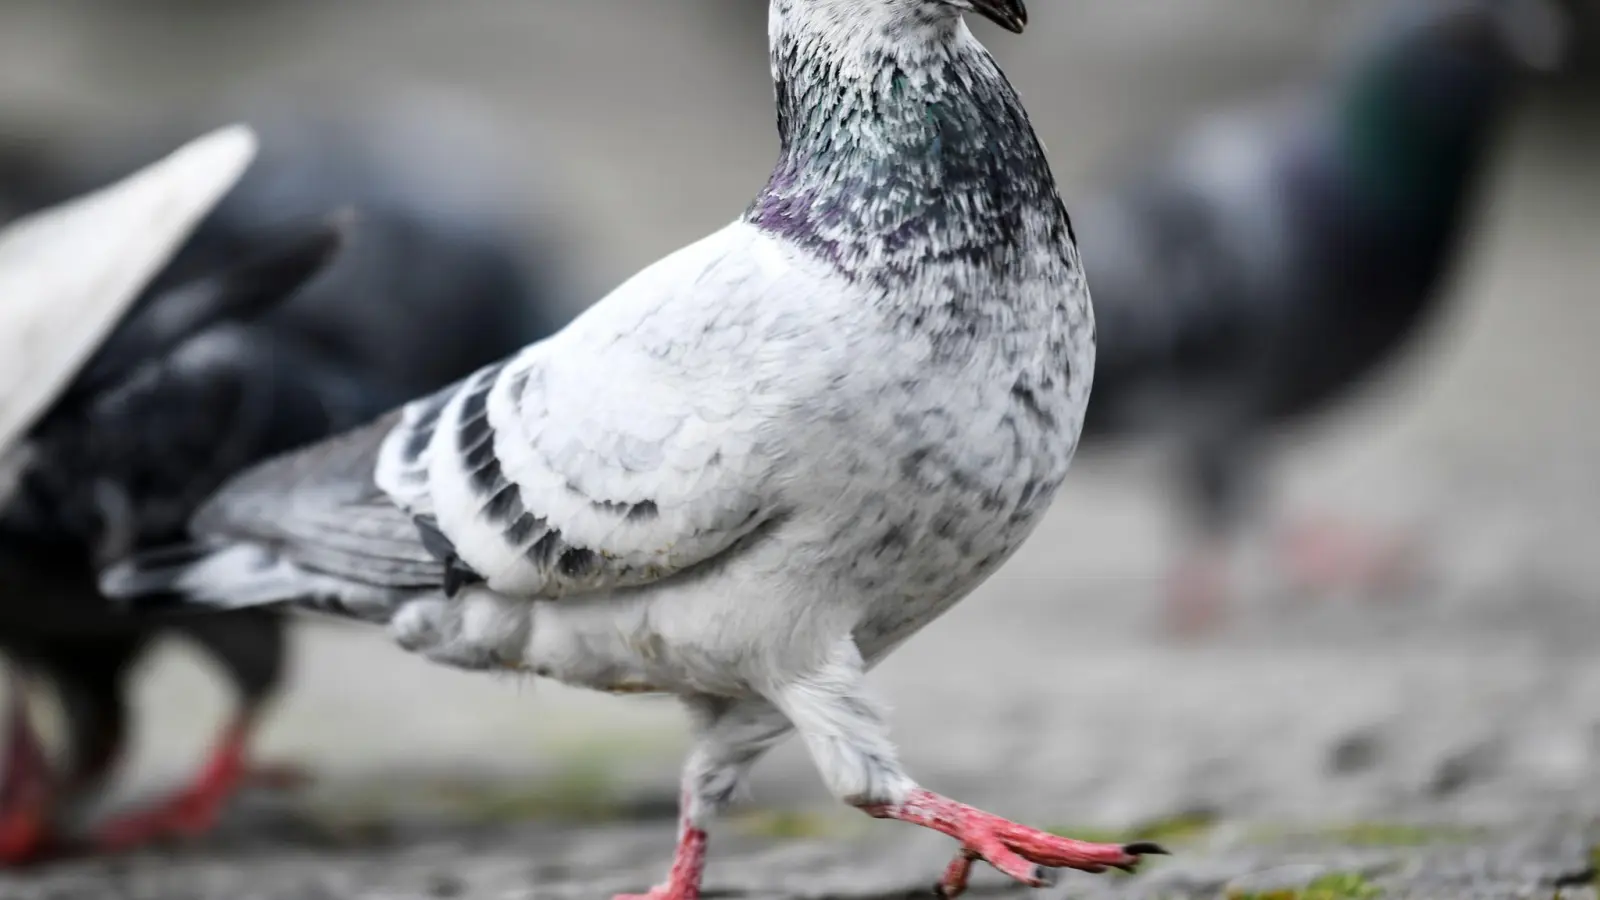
(635, 127)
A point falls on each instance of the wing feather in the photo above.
(593, 460)
(587, 462)
(68, 273)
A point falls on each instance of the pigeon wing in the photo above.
(559, 475)
(597, 459)
(68, 273)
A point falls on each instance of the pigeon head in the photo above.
(1492, 35)
(1525, 33)
(1427, 82)
(903, 143)
(898, 18)
(1011, 15)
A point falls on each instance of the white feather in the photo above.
(604, 416)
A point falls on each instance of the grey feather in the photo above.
(321, 505)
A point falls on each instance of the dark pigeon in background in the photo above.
(1585, 55)
(445, 237)
(1276, 257)
(436, 277)
(177, 397)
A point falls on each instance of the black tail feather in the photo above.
(145, 582)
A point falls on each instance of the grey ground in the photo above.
(1442, 741)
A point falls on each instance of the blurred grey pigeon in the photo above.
(754, 469)
(226, 360)
(1273, 258)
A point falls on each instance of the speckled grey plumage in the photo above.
(764, 461)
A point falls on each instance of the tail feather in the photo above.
(235, 576)
(238, 576)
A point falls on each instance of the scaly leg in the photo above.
(849, 741)
(28, 792)
(1216, 483)
(730, 737)
(1199, 590)
(251, 646)
(1023, 853)
(195, 809)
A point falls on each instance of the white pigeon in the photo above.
(757, 466)
(68, 273)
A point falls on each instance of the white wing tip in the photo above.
(227, 151)
(69, 272)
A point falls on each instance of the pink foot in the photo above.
(1326, 556)
(683, 882)
(1197, 595)
(1025, 854)
(27, 792)
(664, 892)
(193, 811)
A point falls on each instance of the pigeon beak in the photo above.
(70, 272)
(1012, 15)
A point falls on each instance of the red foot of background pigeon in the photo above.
(1320, 556)
(1198, 593)
(196, 809)
(28, 788)
(1324, 555)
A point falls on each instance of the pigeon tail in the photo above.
(231, 577)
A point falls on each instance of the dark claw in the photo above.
(939, 891)
(1575, 879)
(1145, 848)
(1045, 877)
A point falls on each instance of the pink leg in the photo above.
(688, 863)
(27, 793)
(1198, 593)
(730, 737)
(194, 810)
(1023, 853)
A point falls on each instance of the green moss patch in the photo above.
(1329, 886)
